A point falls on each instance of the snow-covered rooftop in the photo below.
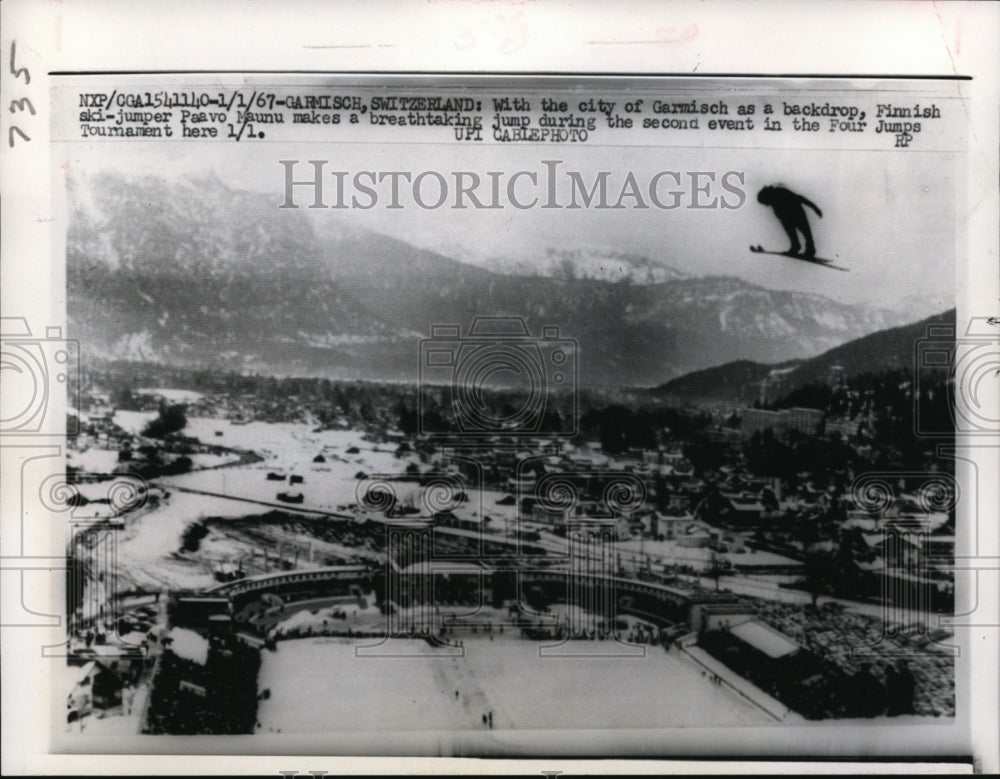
(189, 645)
(766, 639)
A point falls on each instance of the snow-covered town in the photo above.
(265, 554)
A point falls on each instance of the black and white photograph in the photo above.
(644, 405)
(507, 415)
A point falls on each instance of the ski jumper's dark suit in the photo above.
(788, 208)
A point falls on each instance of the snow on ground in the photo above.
(319, 685)
(151, 536)
(189, 645)
(287, 448)
(171, 395)
(226, 544)
(323, 491)
(212, 460)
(306, 619)
(290, 448)
(285, 444)
(133, 421)
(760, 587)
(123, 720)
(119, 721)
(94, 460)
(669, 551)
(571, 614)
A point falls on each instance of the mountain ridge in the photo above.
(744, 381)
(196, 273)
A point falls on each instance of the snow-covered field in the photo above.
(290, 448)
(171, 395)
(283, 444)
(318, 685)
(152, 535)
(94, 460)
(671, 552)
(287, 448)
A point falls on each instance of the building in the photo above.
(96, 687)
(725, 541)
(673, 502)
(704, 616)
(622, 528)
(758, 637)
(738, 508)
(196, 610)
(100, 421)
(804, 420)
(776, 664)
(753, 420)
(449, 518)
(694, 538)
(666, 526)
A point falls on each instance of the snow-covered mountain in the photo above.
(744, 381)
(196, 273)
(568, 264)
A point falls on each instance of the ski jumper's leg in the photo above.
(789, 227)
(807, 234)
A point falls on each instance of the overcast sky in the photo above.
(891, 217)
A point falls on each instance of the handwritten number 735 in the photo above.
(22, 105)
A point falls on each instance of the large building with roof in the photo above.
(774, 662)
(804, 420)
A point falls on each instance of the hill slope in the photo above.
(744, 381)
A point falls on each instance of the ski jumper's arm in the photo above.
(807, 202)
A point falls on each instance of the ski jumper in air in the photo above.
(788, 207)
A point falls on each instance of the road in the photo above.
(283, 506)
(769, 590)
